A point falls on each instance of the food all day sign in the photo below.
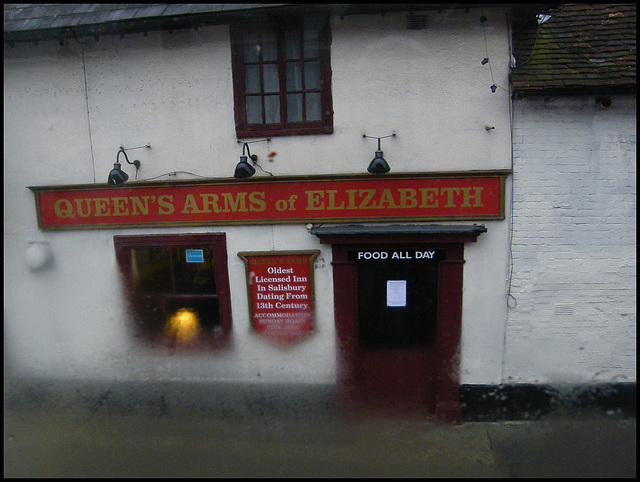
(281, 293)
(418, 197)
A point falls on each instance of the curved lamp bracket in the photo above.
(243, 168)
(117, 176)
(378, 165)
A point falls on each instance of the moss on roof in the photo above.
(581, 48)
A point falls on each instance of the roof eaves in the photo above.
(25, 22)
(35, 24)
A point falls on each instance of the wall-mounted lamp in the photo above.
(38, 254)
(603, 102)
(117, 176)
(378, 165)
(244, 169)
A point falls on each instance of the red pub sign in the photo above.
(418, 197)
(281, 293)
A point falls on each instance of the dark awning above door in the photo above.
(403, 233)
(359, 229)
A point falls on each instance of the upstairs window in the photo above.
(282, 77)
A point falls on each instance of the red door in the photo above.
(398, 320)
(396, 325)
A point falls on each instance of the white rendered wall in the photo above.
(69, 108)
(574, 242)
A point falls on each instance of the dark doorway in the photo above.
(397, 304)
(399, 314)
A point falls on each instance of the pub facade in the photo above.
(302, 195)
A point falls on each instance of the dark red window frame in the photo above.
(279, 26)
(217, 244)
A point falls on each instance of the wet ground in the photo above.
(41, 442)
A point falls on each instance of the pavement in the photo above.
(42, 441)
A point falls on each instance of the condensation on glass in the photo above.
(176, 289)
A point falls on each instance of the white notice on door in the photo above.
(396, 293)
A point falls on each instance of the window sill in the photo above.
(294, 131)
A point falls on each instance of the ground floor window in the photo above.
(177, 288)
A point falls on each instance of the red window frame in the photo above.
(279, 26)
(217, 244)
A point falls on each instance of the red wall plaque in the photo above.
(281, 293)
(418, 197)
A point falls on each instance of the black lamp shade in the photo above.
(117, 176)
(244, 169)
(378, 165)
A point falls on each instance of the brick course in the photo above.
(574, 242)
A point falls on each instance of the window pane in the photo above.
(294, 107)
(254, 110)
(311, 48)
(193, 278)
(314, 107)
(272, 109)
(292, 44)
(151, 269)
(312, 75)
(252, 79)
(271, 82)
(189, 319)
(251, 45)
(312, 27)
(294, 76)
(269, 47)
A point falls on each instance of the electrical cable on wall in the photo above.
(542, 18)
(486, 60)
(173, 173)
(86, 99)
(511, 124)
(260, 167)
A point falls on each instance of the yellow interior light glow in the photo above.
(183, 326)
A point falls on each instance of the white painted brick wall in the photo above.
(574, 242)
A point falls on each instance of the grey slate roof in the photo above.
(23, 17)
(55, 21)
(582, 48)
(32, 22)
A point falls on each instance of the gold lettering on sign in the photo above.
(467, 197)
(313, 200)
(446, 197)
(165, 203)
(401, 198)
(63, 208)
(101, 206)
(119, 206)
(257, 201)
(407, 198)
(449, 192)
(428, 195)
(83, 213)
(235, 204)
(143, 205)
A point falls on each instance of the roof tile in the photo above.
(583, 47)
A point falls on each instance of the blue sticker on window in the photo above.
(195, 256)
